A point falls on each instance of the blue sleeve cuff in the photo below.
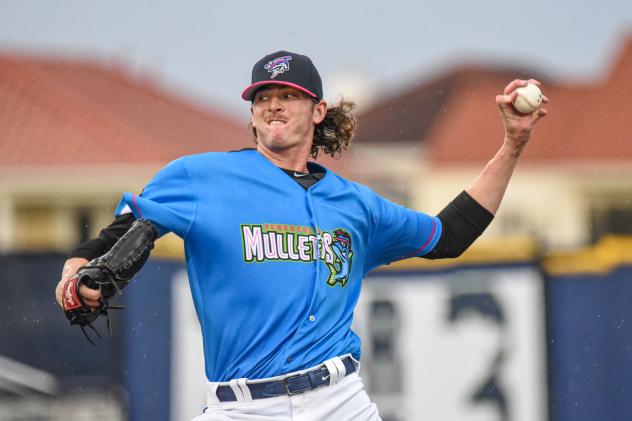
(430, 241)
(433, 237)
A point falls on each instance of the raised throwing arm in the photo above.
(489, 187)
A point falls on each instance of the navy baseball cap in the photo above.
(285, 68)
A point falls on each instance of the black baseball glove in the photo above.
(109, 274)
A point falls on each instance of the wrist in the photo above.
(71, 266)
(513, 147)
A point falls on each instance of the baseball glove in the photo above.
(76, 310)
(109, 274)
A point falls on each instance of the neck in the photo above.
(290, 159)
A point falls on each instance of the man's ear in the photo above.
(320, 111)
(252, 118)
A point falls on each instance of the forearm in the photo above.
(489, 187)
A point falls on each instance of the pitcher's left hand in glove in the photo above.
(95, 276)
(108, 275)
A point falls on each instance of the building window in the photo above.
(34, 227)
(82, 223)
(611, 217)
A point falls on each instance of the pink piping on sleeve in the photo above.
(430, 237)
(141, 215)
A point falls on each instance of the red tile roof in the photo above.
(410, 115)
(455, 115)
(585, 122)
(58, 113)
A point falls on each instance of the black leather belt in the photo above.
(291, 385)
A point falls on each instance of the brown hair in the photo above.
(334, 133)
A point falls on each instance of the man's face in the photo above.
(284, 117)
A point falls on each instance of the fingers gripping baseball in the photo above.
(518, 126)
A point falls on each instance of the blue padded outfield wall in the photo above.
(590, 345)
(586, 331)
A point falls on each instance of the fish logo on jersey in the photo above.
(278, 65)
(340, 268)
(296, 243)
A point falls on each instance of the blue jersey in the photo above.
(275, 270)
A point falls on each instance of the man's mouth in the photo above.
(276, 122)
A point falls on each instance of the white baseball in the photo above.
(529, 99)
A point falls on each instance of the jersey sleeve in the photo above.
(169, 200)
(399, 233)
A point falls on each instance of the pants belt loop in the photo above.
(342, 370)
(237, 390)
(211, 393)
(244, 389)
(357, 364)
(334, 370)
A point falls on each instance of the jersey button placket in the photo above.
(317, 282)
(320, 287)
(306, 327)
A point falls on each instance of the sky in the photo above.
(365, 50)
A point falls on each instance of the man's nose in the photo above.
(275, 104)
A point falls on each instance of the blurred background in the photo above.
(533, 323)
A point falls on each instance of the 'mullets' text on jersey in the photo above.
(285, 242)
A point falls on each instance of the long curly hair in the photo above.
(334, 133)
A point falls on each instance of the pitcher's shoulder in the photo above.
(207, 158)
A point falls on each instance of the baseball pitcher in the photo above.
(277, 246)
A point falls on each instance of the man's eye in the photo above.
(261, 98)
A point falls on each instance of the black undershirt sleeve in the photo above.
(463, 221)
(108, 236)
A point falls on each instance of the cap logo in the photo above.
(278, 65)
